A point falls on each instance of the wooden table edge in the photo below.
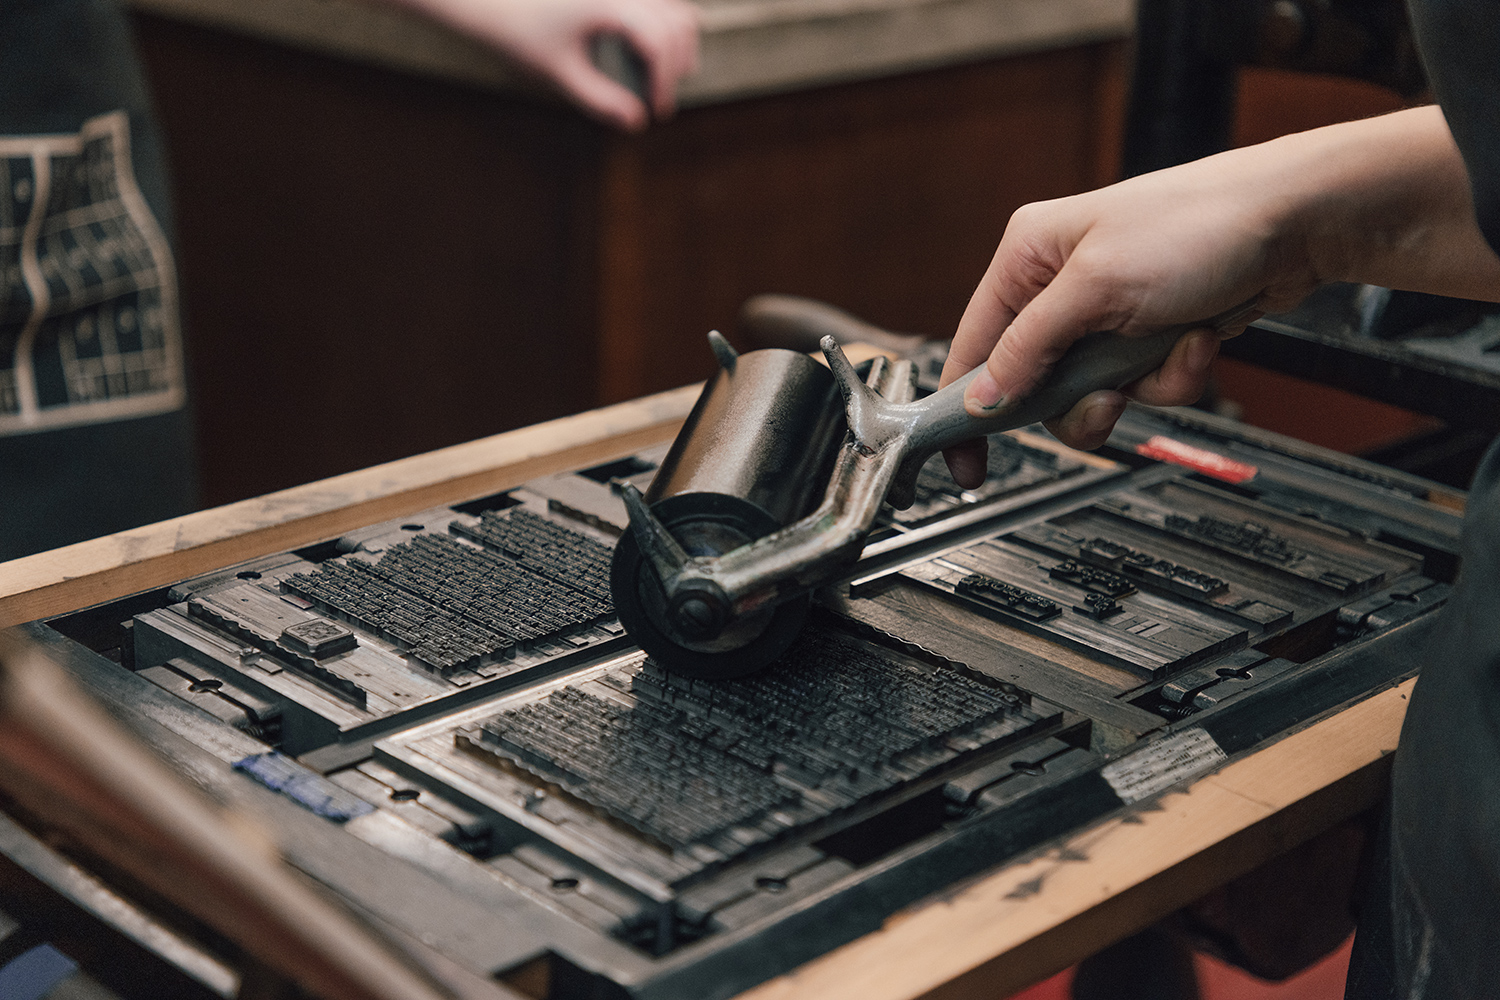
(101, 569)
(998, 933)
(1042, 913)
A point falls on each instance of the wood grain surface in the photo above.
(987, 938)
(102, 569)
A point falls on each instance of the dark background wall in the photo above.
(376, 264)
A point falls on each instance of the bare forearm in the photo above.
(1387, 201)
(1384, 201)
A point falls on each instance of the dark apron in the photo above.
(94, 430)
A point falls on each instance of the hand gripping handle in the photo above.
(1102, 360)
(1097, 361)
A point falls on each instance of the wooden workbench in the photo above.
(1021, 922)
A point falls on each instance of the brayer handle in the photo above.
(1097, 361)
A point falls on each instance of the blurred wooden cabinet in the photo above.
(376, 264)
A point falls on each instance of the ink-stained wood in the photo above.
(1039, 915)
(102, 569)
(933, 616)
(990, 937)
(326, 210)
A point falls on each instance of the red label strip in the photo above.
(1209, 463)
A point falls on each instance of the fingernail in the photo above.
(966, 473)
(1099, 419)
(983, 397)
(1202, 350)
(1096, 419)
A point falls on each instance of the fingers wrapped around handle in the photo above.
(1097, 361)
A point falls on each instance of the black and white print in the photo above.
(89, 328)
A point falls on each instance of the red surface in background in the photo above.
(1316, 413)
(1217, 981)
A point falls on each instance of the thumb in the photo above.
(1061, 313)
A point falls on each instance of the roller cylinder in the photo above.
(755, 455)
(765, 430)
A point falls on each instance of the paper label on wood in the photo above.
(1210, 463)
(1163, 764)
